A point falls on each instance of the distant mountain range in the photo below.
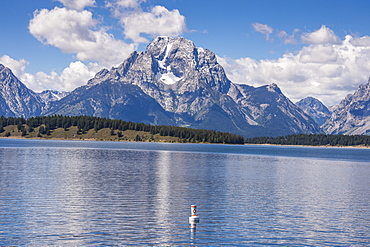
(175, 83)
(315, 109)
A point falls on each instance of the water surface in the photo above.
(73, 193)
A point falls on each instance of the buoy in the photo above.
(193, 219)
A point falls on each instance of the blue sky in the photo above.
(309, 48)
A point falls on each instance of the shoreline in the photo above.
(246, 144)
(318, 146)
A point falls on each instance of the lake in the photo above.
(74, 193)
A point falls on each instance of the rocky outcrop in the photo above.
(352, 115)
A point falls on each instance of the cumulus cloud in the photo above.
(17, 66)
(264, 29)
(361, 41)
(78, 4)
(326, 71)
(156, 22)
(322, 54)
(322, 36)
(159, 21)
(75, 31)
(76, 74)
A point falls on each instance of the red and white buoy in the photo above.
(193, 219)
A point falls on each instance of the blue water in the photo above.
(73, 193)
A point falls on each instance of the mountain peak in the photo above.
(6, 70)
(315, 109)
(274, 88)
(163, 43)
(172, 82)
(179, 61)
(52, 95)
(15, 98)
(7, 76)
(165, 49)
(352, 115)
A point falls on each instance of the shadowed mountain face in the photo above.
(174, 82)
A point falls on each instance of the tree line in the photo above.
(46, 124)
(313, 140)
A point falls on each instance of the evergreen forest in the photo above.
(79, 127)
(43, 127)
(313, 140)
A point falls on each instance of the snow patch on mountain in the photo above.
(52, 95)
(162, 62)
(168, 78)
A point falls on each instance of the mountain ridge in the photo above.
(16, 99)
(352, 115)
(173, 82)
(193, 91)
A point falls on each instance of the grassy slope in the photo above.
(101, 135)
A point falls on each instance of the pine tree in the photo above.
(138, 138)
(24, 132)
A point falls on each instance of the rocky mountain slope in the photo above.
(315, 109)
(16, 100)
(352, 115)
(51, 95)
(174, 82)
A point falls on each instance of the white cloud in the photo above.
(326, 71)
(75, 75)
(288, 39)
(127, 4)
(17, 66)
(322, 36)
(76, 32)
(362, 41)
(73, 29)
(264, 29)
(78, 4)
(321, 54)
(136, 22)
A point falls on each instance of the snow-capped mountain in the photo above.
(174, 82)
(315, 109)
(352, 115)
(16, 100)
(52, 95)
